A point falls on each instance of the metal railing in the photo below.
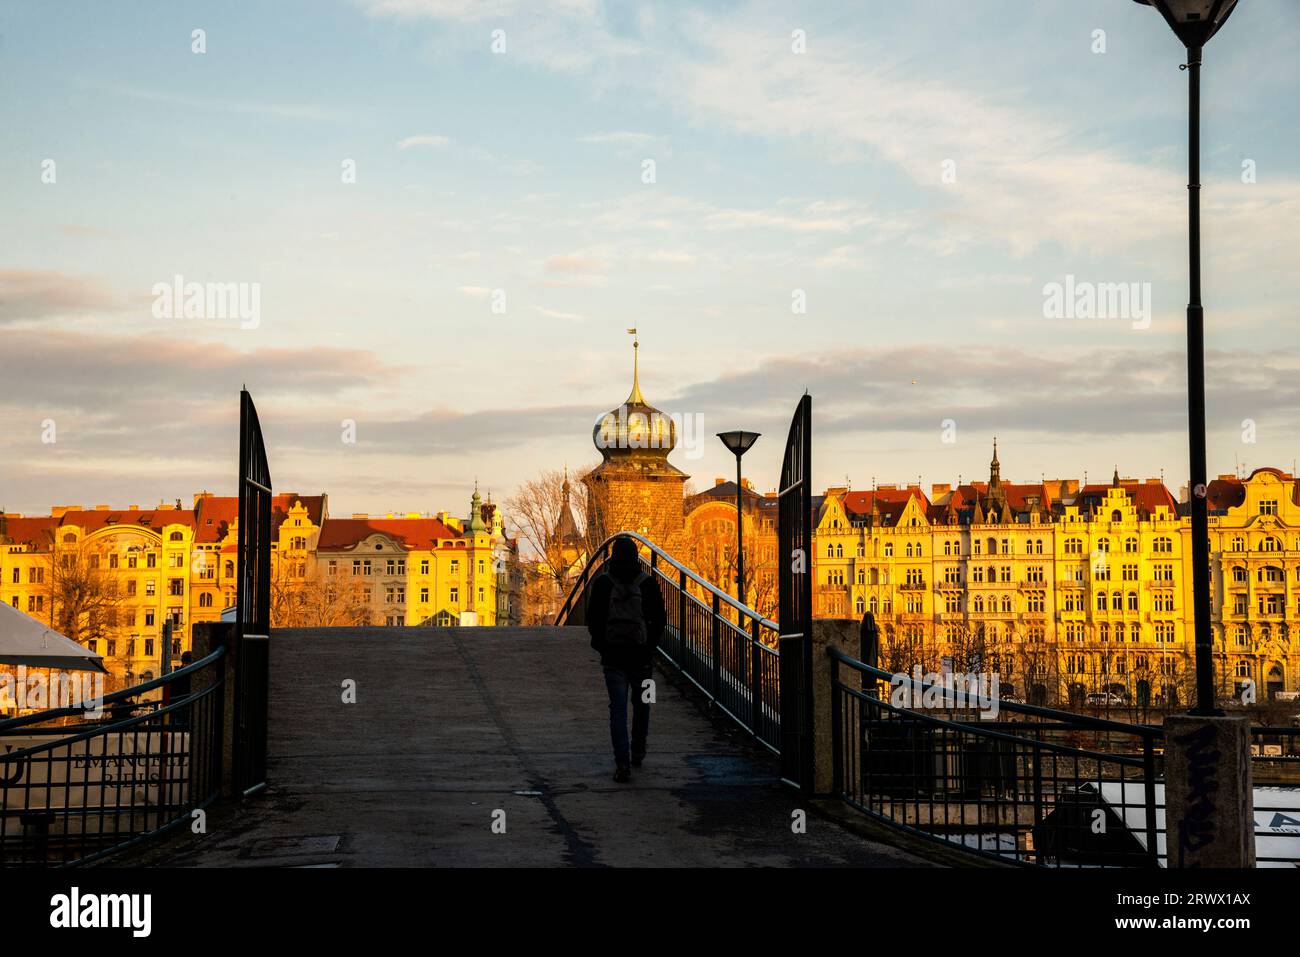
(1036, 786)
(1275, 775)
(722, 647)
(70, 794)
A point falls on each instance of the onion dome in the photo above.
(635, 429)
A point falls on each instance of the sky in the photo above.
(452, 211)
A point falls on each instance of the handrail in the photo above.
(1087, 721)
(708, 586)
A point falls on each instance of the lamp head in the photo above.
(1193, 21)
(738, 442)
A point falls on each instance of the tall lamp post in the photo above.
(1194, 22)
(739, 443)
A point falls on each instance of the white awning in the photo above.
(26, 641)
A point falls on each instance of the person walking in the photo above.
(625, 616)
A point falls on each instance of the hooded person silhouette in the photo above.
(625, 616)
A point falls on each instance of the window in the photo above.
(148, 617)
(1270, 544)
(205, 600)
(176, 586)
(454, 595)
(151, 560)
(977, 573)
(1162, 545)
(1133, 601)
(1268, 506)
(150, 588)
(1101, 601)
(1074, 546)
(1131, 545)
(424, 566)
(889, 549)
(424, 596)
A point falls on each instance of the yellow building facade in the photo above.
(137, 569)
(1067, 591)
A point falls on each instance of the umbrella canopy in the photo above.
(25, 641)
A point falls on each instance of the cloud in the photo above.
(556, 314)
(423, 139)
(31, 294)
(575, 263)
(293, 111)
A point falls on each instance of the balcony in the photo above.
(912, 586)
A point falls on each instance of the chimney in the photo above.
(719, 480)
(200, 496)
(102, 508)
(360, 514)
(938, 489)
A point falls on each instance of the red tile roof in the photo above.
(31, 531)
(216, 513)
(1147, 496)
(155, 519)
(344, 534)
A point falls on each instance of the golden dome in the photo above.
(635, 428)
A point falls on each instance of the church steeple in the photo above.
(635, 397)
(995, 467)
(476, 523)
(1114, 479)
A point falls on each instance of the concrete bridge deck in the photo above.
(450, 725)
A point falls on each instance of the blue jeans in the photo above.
(620, 685)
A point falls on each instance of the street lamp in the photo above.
(1194, 22)
(739, 443)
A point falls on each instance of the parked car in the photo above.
(1100, 699)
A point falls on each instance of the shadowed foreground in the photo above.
(452, 724)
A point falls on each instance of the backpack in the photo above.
(625, 624)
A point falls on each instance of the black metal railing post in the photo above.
(837, 735)
(755, 678)
(715, 647)
(1149, 797)
(681, 618)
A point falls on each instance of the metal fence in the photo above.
(725, 649)
(70, 794)
(1035, 787)
(1032, 785)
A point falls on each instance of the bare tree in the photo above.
(85, 592)
(317, 600)
(555, 542)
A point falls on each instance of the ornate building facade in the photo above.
(111, 578)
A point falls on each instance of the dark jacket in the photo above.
(625, 657)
